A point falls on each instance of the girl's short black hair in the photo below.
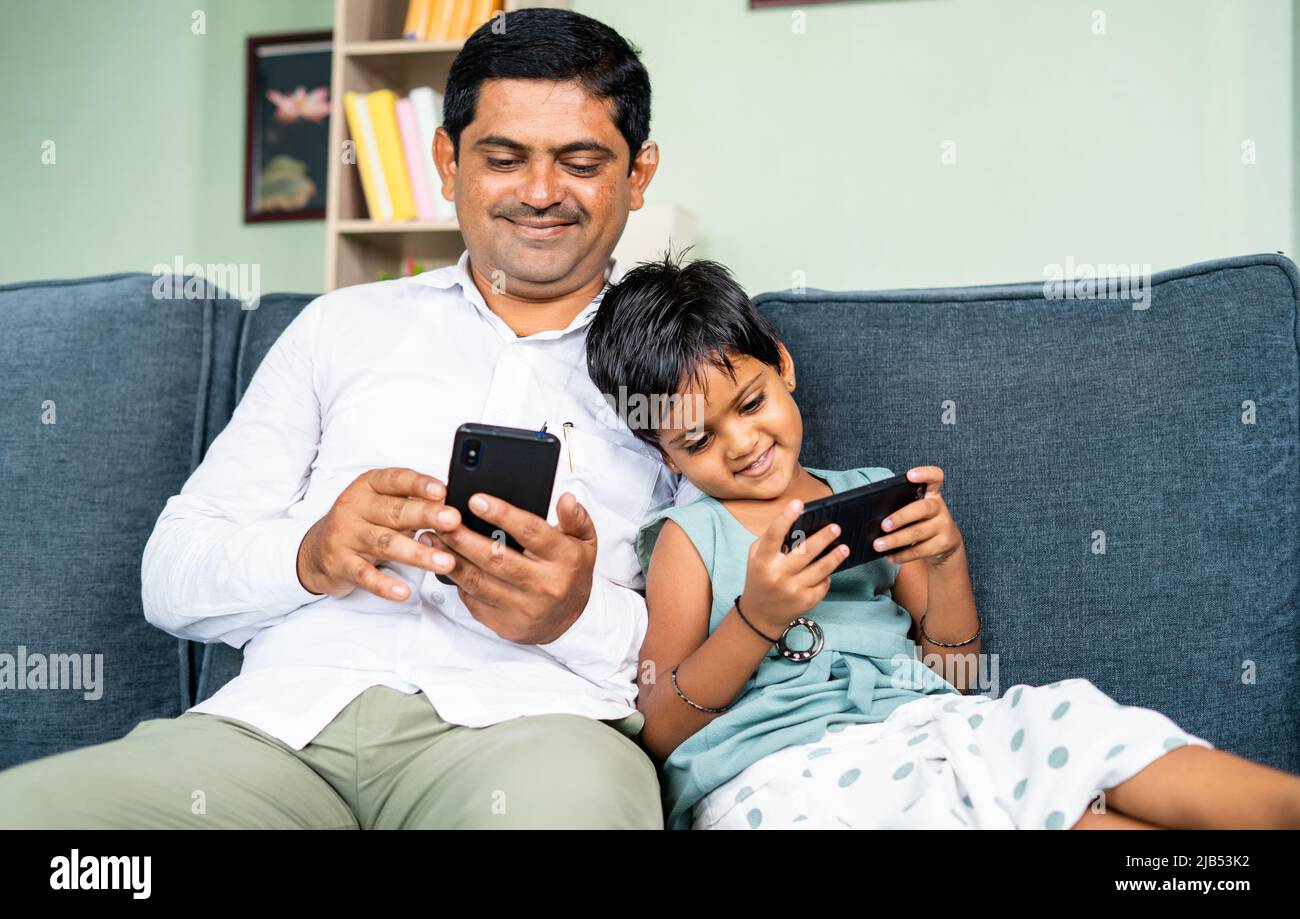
(658, 327)
(551, 44)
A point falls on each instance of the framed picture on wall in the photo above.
(287, 126)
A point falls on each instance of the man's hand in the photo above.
(533, 596)
(372, 519)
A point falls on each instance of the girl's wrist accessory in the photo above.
(807, 654)
(801, 656)
(697, 707)
(736, 603)
(954, 644)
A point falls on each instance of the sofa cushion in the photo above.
(1062, 421)
(105, 412)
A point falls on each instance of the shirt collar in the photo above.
(458, 275)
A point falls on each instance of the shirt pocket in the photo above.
(614, 483)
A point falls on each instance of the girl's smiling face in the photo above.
(746, 446)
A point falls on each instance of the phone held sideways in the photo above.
(859, 512)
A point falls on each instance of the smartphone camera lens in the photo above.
(470, 454)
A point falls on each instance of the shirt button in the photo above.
(431, 592)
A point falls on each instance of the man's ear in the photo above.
(644, 165)
(444, 157)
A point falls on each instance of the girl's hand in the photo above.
(781, 586)
(923, 529)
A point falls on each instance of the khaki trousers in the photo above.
(387, 761)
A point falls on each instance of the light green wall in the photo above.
(292, 253)
(814, 155)
(148, 123)
(820, 153)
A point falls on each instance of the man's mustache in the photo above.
(531, 214)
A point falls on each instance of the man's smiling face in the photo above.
(542, 188)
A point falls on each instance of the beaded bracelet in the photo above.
(955, 644)
(697, 707)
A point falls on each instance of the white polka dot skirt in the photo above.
(1036, 758)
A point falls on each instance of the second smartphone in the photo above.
(859, 512)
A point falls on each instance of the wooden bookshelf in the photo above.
(370, 54)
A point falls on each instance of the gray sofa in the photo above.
(1065, 426)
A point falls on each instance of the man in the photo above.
(372, 695)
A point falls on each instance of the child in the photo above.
(765, 719)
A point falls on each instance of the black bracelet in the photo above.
(750, 624)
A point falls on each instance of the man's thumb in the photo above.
(573, 518)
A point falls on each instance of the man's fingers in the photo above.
(409, 513)
(531, 531)
(484, 586)
(400, 481)
(491, 554)
(390, 545)
(366, 576)
(443, 558)
(574, 519)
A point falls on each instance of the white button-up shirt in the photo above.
(381, 375)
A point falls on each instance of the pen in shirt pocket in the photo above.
(568, 447)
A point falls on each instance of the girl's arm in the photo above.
(934, 577)
(944, 590)
(713, 668)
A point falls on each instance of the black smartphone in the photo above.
(858, 511)
(513, 464)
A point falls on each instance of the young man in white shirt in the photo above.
(371, 694)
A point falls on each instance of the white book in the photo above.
(427, 103)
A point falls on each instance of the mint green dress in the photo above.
(867, 668)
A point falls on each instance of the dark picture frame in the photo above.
(286, 126)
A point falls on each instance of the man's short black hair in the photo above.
(551, 44)
(663, 322)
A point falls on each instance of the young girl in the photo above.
(778, 692)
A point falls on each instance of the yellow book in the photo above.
(461, 24)
(417, 11)
(358, 118)
(483, 10)
(382, 104)
(438, 25)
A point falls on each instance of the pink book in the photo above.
(411, 149)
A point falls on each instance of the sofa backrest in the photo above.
(1058, 423)
(1125, 479)
(110, 396)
